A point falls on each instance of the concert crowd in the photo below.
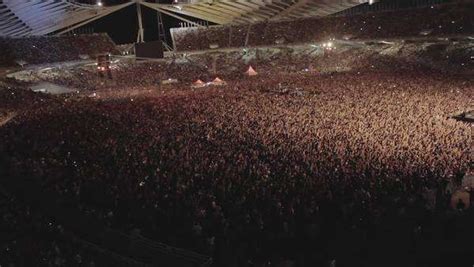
(438, 20)
(48, 49)
(291, 169)
(352, 159)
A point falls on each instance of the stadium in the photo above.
(236, 133)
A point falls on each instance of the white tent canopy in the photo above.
(39, 17)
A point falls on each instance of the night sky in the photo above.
(122, 26)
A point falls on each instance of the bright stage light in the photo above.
(99, 3)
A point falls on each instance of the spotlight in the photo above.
(99, 3)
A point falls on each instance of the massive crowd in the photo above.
(446, 19)
(232, 64)
(130, 74)
(350, 158)
(48, 49)
(298, 169)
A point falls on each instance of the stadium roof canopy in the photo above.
(40, 17)
(251, 11)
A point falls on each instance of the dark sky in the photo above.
(122, 25)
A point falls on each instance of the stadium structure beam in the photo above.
(209, 11)
(233, 12)
(141, 33)
(40, 17)
(290, 9)
(196, 14)
(171, 14)
(251, 11)
(114, 9)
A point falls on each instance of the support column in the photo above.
(141, 32)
